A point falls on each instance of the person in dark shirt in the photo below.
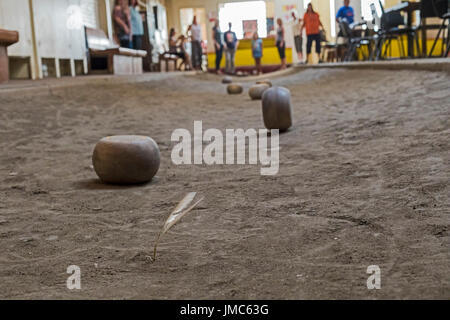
(281, 43)
(218, 44)
(122, 23)
(231, 45)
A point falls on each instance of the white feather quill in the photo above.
(180, 210)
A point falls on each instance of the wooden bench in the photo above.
(7, 38)
(166, 58)
(107, 57)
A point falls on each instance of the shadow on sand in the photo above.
(97, 184)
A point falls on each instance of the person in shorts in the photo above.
(257, 51)
(298, 38)
(281, 43)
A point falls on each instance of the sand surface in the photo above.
(364, 180)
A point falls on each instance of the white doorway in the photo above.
(242, 13)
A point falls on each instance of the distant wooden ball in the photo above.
(256, 91)
(277, 109)
(126, 159)
(266, 81)
(235, 88)
(227, 79)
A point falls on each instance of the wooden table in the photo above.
(7, 38)
(410, 7)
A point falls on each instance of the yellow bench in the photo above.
(244, 58)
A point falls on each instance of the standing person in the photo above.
(312, 23)
(122, 23)
(196, 40)
(298, 38)
(281, 43)
(231, 44)
(137, 27)
(257, 51)
(218, 44)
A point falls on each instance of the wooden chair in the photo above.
(355, 40)
(445, 40)
(7, 38)
(329, 52)
(167, 58)
(104, 56)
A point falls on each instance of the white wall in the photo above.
(49, 28)
(15, 15)
(59, 31)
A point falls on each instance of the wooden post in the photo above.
(57, 68)
(7, 38)
(4, 70)
(36, 64)
(109, 20)
(72, 68)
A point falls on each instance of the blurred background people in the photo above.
(281, 43)
(137, 27)
(122, 23)
(346, 13)
(177, 46)
(218, 44)
(231, 44)
(257, 51)
(298, 37)
(312, 24)
(196, 41)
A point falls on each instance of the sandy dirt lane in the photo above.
(364, 179)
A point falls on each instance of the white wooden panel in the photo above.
(15, 15)
(89, 10)
(59, 26)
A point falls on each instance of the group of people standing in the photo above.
(314, 28)
(128, 26)
(178, 46)
(129, 31)
(228, 42)
(312, 25)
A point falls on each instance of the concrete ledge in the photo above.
(249, 78)
(46, 85)
(433, 64)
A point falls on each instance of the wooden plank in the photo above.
(15, 15)
(8, 37)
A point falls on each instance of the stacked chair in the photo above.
(392, 27)
(438, 8)
(356, 39)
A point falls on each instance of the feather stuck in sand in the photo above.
(180, 210)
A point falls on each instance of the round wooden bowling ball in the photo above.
(256, 91)
(227, 79)
(277, 109)
(235, 88)
(266, 81)
(126, 159)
